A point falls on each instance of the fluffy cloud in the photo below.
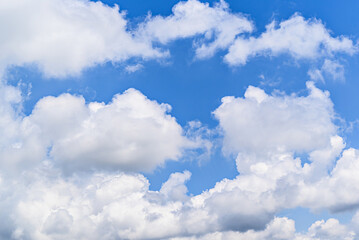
(20, 145)
(65, 134)
(330, 229)
(129, 133)
(266, 131)
(192, 18)
(296, 36)
(260, 125)
(64, 36)
(334, 191)
(121, 206)
(42, 204)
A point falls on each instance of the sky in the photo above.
(179, 120)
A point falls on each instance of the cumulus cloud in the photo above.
(260, 125)
(266, 131)
(18, 139)
(301, 38)
(330, 229)
(111, 206)
(192, 18)
(42, 204)
(130, 133)
(334, 191)
(175, 188)
(72, 159)
(63, 36)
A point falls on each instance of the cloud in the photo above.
(300, 38)
(130, 133)
(331, 69)
(284, 229)
(63, 37)
(277, 229)
(316, 75)
(175, 188)
(193, 19)
(67, 169)
(330, 229)
(265, 132)
(334, 191)
(20, 145)
(260, 125)
(111, 206)
(42, 203)
(133, 68)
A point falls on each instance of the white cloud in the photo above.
(133, 68)
(19, 140)
(259, 125)
(175, 188)
(133, 133)
(42, 204)
(277, 229)
(331, 69)
(130, 133)
(330, 230)
(336, 191)
(192, 18)
(265, 131)
(65, 36)
(296, 36)
(316, 75)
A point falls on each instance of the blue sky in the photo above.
(258, 139)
